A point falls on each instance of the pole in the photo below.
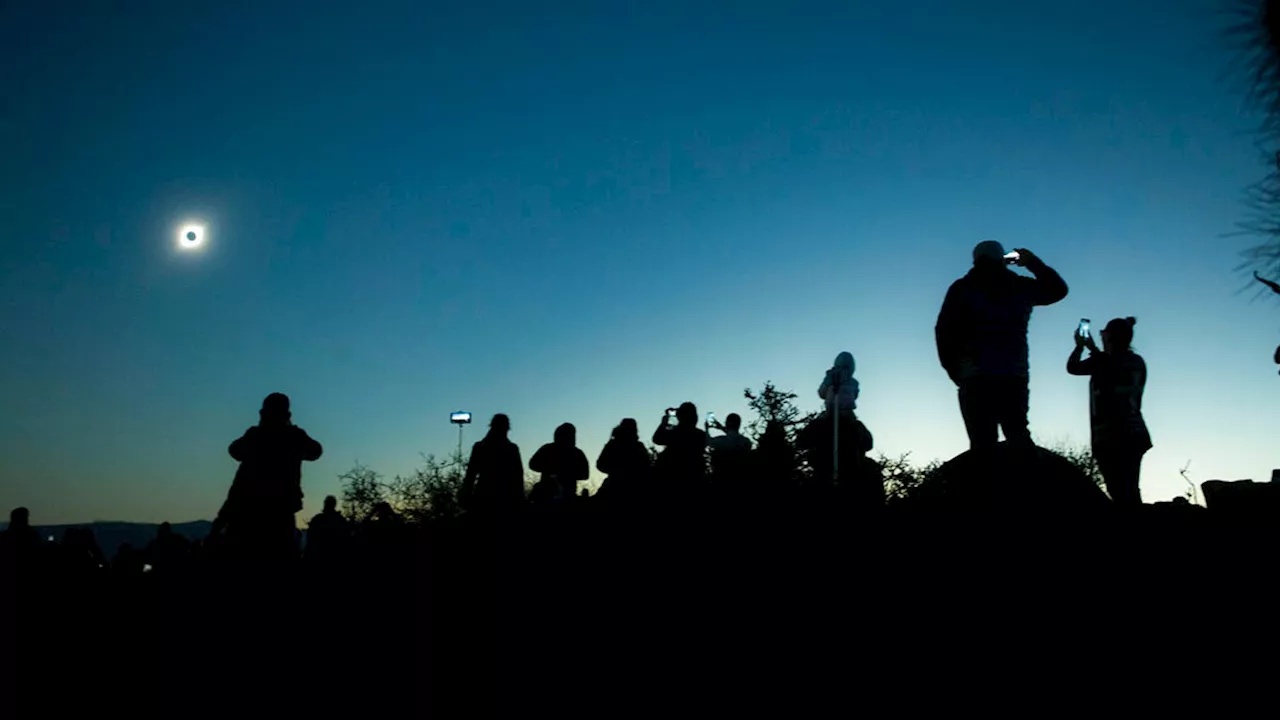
(833, 406)
(460, 426)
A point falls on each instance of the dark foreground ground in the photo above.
(804, 611)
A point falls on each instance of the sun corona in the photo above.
(190, 237)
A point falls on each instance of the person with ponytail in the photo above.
(1117, 379)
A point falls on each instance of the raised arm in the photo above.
(311, 449)
(242, 447)
(1077, 366)
(538, 463)
(660, 435)
(1047, 287)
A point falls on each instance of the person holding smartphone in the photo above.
(682, 465)
(982, 340)
(1117, 380)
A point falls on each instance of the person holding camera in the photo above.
(683, 461)
(1117, 379)
(267, 490)
(562, 465)
(982, 340)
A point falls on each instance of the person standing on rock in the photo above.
(982, 340)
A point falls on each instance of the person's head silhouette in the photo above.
(500, 425)
(732, 422)
(1117, 336)
(165, 529)
(566, 434)
(19, 518)
(275, 410)
(627, 430)
(687, 414)
(989, 255)
(330, 503)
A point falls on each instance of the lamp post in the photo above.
(461, 419)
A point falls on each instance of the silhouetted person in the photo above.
(683, 461)
(626, 463)
(562, 464)
(495, 473)
(168, 552)
(839, 390)
(78, 554)
(859, 482)
(19, 537)
(384, 527)
(267, 490)
(982, 340)
(128, 562)
(1117, 378)
(328, 533)
(774, 461)
(730, 452)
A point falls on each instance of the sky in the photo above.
(588, 211)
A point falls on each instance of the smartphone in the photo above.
(711, 420)
(1083, 330)
(1012, 257)
(671, 413)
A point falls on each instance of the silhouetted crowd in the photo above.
(982, 345)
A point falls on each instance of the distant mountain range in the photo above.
(110, 535)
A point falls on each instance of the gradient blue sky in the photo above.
(585, 211)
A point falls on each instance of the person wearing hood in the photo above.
(626, 462)
(982, 340)
(562, 463)
(839, 392)
(838, 389)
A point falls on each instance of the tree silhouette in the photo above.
(901, 478)
(430, 492)
(1081, 457)
(1257, 29)
(773, 405)
(362, 489)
